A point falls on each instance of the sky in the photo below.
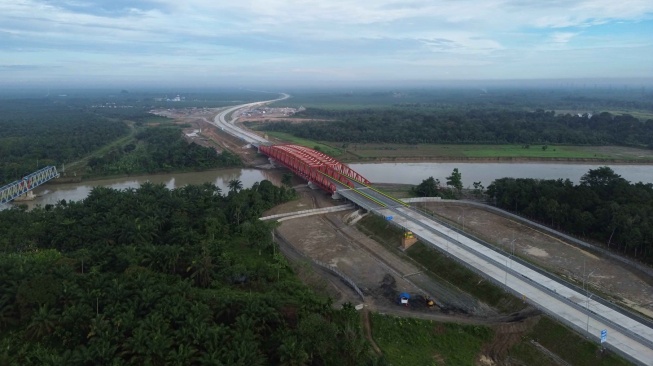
(306, 42)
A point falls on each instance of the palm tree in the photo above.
(43, 323)
(235, 185)
(183, 355)
(292, 353)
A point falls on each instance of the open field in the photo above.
(422, 152)
(562, 341)
(423, 342)
(466, 152)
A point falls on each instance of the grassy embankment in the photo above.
(389, 334)
(423, 342)
(400, 152)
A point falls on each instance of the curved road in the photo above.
(228, 125)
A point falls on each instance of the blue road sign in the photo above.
(604, 335)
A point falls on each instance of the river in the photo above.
(53, 193)
(415, 173)
(407, 173)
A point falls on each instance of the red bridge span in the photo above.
(314, 166)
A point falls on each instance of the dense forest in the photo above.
(47, 131)
(38, 132)
(604, 206)
(153, 276)
(469, 126)
(160, 149)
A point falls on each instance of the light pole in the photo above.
(587, 294)
(505, 280)
(463, 216)
(586, 282)
(587, 327)
(512, 244)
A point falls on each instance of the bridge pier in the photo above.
(336, 196)
(29, 196)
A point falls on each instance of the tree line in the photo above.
(39, 132)
(603, 206)
(468, 126)
(158, 149)
(155, 276)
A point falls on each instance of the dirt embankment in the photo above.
(379, 273)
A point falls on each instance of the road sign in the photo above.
(604, 335)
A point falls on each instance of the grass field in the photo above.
(325, 148)
(423, 342)
(390, 151)
(565, 343)
(158, 120)
(393, 152)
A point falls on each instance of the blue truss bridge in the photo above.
(29, 182)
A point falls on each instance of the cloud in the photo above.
(21, 67)
(335, 38)
(562, 37)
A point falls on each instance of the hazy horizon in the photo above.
(278, 44)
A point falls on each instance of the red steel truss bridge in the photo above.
(323, 171)
(316, 167)
(29, 182)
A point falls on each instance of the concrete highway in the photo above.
(626, 335)
(228, 125)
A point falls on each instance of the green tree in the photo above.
(478, 189)
(429, 187)
(42, 324)
(455, 180)
(235, 185)
(286, 179)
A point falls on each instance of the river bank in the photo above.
(499, 159)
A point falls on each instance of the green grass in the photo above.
(78, 167)
(442, 268)
(641, 115)
(424, 342)
(464, 278)
(404, 151)
(565, 343)
(158, 120)
(327, 149)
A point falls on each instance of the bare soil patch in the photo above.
(630, 287)
(381, 274)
